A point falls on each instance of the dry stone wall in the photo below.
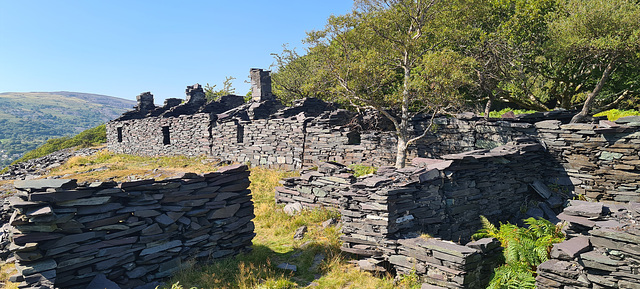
(601, 160)
(133, 232)
(265, 142)
(182, 135)
(383, 213)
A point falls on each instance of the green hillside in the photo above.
(28, 119)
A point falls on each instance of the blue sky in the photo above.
(124, 47)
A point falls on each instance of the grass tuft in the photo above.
(615, 114)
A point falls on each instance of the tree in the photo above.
(227, 89)
(604, 34)
(297, 76)
(392, 56)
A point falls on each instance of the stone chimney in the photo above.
(195, 95)
(145, 102)
(260, 85)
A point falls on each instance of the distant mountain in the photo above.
(28, 119)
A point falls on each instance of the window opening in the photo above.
(165, 135)
(119, 134)
(353, 138)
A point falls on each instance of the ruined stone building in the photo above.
(595, 158)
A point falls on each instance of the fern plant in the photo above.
(524, 250)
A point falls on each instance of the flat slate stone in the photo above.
(541, 189)
(584, 209)
(233, 169)
(165, 220)
(33, 268)
(86, 202)
(224, 212)
(577, 220)
(287, 266)
(45, 184)
(125, 185)
(22, 239)
(76, 238)
(42, 211)
(573, 246)
(446, 247)
(58, 196)
(160, 248)
(101, 282)
(628, 119)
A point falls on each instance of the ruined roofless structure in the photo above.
(261, 131)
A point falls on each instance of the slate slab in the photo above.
(33, 268)
(541, 189)
(100, 281)
(160, 248)
(584, 209)
(571, 248)
(287, 266)
(45, 184)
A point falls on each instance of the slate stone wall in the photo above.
(602, 160)
(275, 143)
(602, 249)
(133, 232)
(182, 135)
(383, 213)
(444, 264)
(599, 160)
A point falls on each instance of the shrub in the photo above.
(525, 249)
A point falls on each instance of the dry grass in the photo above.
(6, 271)
(106, 165)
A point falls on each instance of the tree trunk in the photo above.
(487, 108)
(587, 104)
(401, 154)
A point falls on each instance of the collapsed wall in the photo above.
(602, 249)
(133, 232)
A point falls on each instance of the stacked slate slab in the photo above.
(444, 264)
(316, 188)
(602, 249)
(132, 232)
(601, 160)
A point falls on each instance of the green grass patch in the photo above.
(91, 137)
(498, 114)
(615, 114)
(362, 170)
(274, 244)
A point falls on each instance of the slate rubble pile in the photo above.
(133, 232)
(40, 166)
(602, 249)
